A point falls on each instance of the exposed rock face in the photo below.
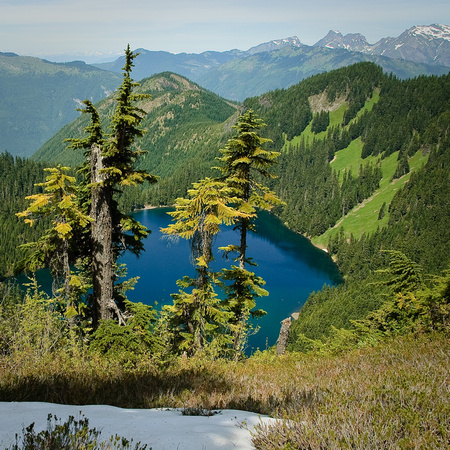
(428, 44)
(283, 336)
(354, 42)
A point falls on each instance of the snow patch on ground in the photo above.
(161, 429)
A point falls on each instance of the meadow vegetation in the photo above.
(393, 394)
(383, 384)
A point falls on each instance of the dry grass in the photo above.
(395, 395)
(392, 396)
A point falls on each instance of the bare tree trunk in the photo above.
(66, 270)
(243, 244)
(242, 311)
(67, 287)
(102, 245)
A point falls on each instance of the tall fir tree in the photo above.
(111, 164)
(244, 163)
(59, 203)
(197, 317)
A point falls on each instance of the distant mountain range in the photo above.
(191, 64)
(279, 69)
(422, 44)
(38, 97)
(237, 74)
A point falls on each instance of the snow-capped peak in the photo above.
(426, 44)
(435, 31)
(294, 40)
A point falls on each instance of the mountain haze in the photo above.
(191, 65)
(254, 75)
(38, 97)
(278, 64)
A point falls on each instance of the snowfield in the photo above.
(161, 429)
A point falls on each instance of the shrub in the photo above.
(70, 435)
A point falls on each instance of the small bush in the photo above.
(70, 435)
(198, 411)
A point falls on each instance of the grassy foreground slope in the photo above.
(392, 395)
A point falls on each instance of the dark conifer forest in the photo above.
(17, 180)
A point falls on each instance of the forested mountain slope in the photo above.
(39, 97)
(364, 167)
(376, 130)
(380, 129)
(185, 126)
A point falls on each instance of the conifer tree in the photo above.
(402, 166)
(404, 275)
(320, 122)
(244, 163)
(57, 202)
(111, 164)
(198, 317)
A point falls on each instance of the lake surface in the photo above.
(291, 266)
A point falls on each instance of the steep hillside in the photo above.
(380, 130)
(39, 97)
(340, 179)
(185, 123)
(18, 177)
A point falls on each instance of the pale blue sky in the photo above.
(43, 27)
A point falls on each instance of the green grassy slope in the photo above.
(364, 217)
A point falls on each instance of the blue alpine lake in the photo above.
(291, 266)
